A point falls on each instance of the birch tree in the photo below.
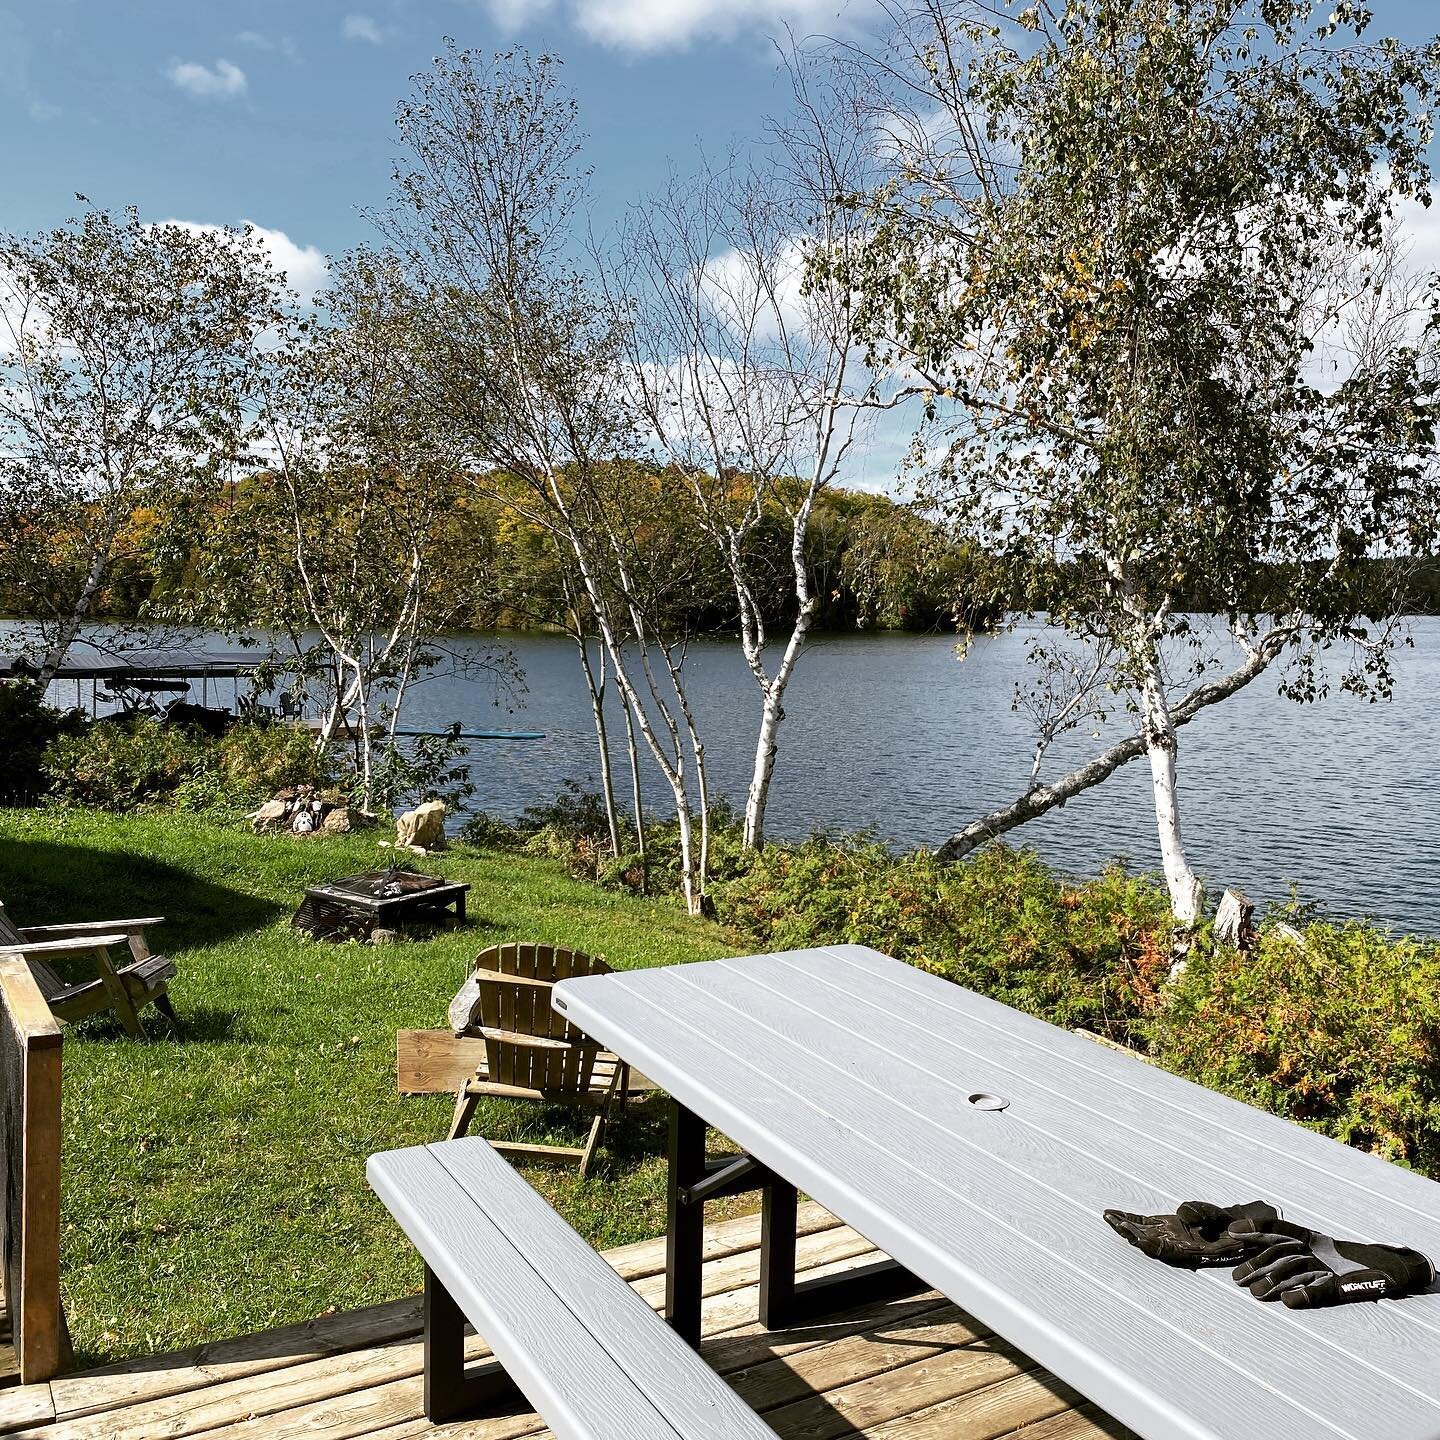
(1133, 252)
(521, 358)
(338, 541)
(742, 358)
(126, 356)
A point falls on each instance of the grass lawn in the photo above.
(214, 1180)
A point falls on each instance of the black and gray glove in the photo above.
(1304, 1268)
(1198, 1233)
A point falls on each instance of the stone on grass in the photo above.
(346, 818)
(272, 812)
(422, 829)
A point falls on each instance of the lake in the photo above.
(893, 731)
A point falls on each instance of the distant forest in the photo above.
(873, 565)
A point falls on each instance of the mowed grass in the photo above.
(214, 1178)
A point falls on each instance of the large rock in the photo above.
(423, 828)
(270, 814)
(344, 819)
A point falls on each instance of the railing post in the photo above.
(30, 1055)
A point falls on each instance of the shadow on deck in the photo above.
(915, 1369)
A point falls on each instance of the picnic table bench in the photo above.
(587, 1352)
(979, 1146)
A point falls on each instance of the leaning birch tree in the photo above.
(1135, 252)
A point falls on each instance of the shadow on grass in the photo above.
(42, 883)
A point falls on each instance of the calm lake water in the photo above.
(894, 732)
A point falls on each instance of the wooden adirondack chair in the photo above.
(125, 988)
(531, 1051)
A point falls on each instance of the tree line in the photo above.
(1131, 272)
(874, 564)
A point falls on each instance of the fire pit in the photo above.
(354, 907)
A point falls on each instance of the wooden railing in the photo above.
(30, 1161)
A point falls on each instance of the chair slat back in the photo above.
(533, 1064)
(523, 1006)
(46, 978)
(540, 962)
(9, 935)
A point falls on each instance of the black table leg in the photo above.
(786, 1301)
(685, 1233)
(449, 1391)
(778, 1208)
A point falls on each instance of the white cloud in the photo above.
(222, 81)
(362, 27)
(1420, 232)
(742, 294)
(512, 14)
(281, 45)
(660, 24)
(305, 267)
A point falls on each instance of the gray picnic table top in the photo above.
(856, 1077)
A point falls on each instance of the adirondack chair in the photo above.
(531, 1051)
(125, 988)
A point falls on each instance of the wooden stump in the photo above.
(1235, 921)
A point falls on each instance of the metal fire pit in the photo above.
(354, 907)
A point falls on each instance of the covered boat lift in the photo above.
(141, 672)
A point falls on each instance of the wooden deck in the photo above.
(916, 1369)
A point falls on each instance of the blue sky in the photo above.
(280, 112)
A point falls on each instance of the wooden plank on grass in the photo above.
(439, 1062)
(435, 1062)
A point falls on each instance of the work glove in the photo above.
(1305, 1268)
(1198, 1233)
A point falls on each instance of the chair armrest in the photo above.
(78, 945)
(537, 1042)
(90, 927)
(506, 979)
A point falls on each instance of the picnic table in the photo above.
(979, 1146)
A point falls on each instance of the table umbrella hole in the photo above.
(981, 1101)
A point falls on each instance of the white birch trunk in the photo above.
(767, 741)
(1162, 747)
(55, 655)
(672, 766)
(636, 799)
(602, 738)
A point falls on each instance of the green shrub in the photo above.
(1002, 922)
(254, 761)
(116, 764)
(27, 726)
(489, 832)
(1342, 1033)
(432, 767)
(575, 814)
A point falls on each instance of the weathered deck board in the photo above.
(914, 1369)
